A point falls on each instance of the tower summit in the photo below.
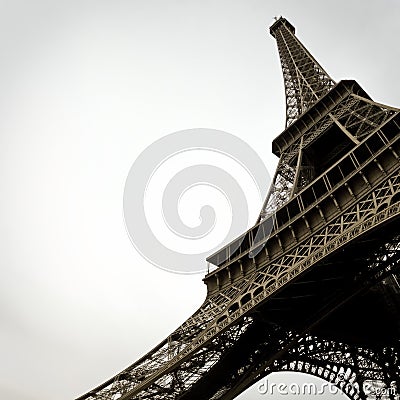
(313, 287)
(305, 80)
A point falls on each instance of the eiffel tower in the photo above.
(313, 287)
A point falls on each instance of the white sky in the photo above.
(85, 86)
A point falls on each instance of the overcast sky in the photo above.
(85, 87)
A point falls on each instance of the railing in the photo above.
(230, 253)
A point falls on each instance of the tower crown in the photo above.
(304, 79)
(278, 25)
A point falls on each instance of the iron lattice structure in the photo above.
(314, 285)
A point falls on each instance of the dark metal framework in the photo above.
(305, 80)
(314, 285)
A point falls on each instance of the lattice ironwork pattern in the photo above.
(356, 115)
(305, 80)
(328, 232)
